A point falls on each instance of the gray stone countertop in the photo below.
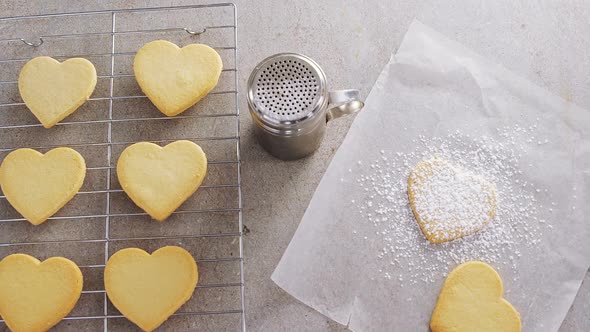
(547, 42)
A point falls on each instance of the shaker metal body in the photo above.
(290, 104)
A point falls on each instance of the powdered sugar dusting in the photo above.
(404, 247)
(449, 201)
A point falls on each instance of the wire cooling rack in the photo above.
(101, 219)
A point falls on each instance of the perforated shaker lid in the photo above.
(287, 89)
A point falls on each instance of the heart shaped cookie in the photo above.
(159, 179)
(146, 288)
(471, 300)
(449, 202)
(174, 78)
(38, 185)
(35, 296)
(54, 90)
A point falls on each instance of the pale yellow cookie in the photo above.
(159, 179)
(54, 90)
(146, 288)
(174, 78)
(38, 185)
(34, 295)
(449, 202)
(471, 300)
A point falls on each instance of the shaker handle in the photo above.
(343, 102)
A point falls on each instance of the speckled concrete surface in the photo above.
(544, 41)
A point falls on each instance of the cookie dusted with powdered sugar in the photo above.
(449, 202)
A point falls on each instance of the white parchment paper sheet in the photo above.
(433, 86)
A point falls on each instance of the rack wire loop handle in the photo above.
(194, 33)
(34, 44)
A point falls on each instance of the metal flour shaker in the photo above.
(290, 104)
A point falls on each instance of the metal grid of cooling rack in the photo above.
(100, 219)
